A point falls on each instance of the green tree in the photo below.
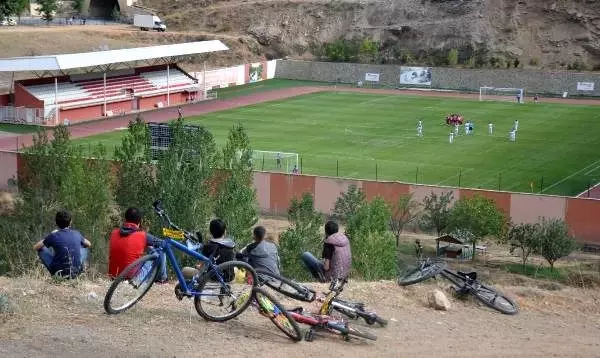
(48, 9)
(184, 176)
(348, 204)
(405, 211)
(370, 219)
(368, 51)
(453, 57)
(236, 201)
(436, 212)
(135, 183)
(525, 238)
(477, 217)
(304, 234)
(77, 6)
(115, 13)
(337, 51)
(555, 240)
(12, 7)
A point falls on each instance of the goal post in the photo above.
(273, 161)
(502, 94)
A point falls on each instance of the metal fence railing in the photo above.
(22, 115)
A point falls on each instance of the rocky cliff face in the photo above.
(554, 32)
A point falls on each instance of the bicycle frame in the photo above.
(167, 246)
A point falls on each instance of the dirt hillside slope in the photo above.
(555, 32)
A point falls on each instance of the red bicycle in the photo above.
(323, 320)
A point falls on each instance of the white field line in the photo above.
(570, 176)
(584, 193)
(592, 170)
(455, 175)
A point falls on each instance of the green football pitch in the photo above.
(371, 136)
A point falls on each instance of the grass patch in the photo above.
(18, 128)
(373, 136)
(538, 272)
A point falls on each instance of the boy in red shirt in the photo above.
(128, 243)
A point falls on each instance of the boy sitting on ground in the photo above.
(65, 250)
(262, 253)
(337, 256)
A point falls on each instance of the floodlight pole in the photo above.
(56, 111)
(204, 81)
(168, 79)
(104, 93)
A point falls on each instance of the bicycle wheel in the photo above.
(494, 299)
(133, 283)
(286, 286)
(271, 308)
(419, 274)
(230, 298)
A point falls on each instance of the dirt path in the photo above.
(60, 318)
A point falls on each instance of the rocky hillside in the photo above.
(551, 33)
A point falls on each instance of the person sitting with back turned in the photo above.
(65, 250)
(262, 253)
(337, 256)
(130, 242)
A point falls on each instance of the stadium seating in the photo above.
(92, 91)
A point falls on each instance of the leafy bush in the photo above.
(370, 219)
(303, 235)
(475, 218)
(235, 200)
(436, 212)
(534, 61)
(453, 57)
(374, 256)
(348, 204)
(526, 238)
(555, 242)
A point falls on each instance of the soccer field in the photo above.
(367, 135)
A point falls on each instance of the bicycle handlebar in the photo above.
(160, 211)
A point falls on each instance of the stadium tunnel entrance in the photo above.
(103, 8)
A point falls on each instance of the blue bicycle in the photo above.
(226, 287)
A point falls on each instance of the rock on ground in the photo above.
(438, 300)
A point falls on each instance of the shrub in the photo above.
(436, 212)
(555, 242)
(534, 61)
(303, 235)
(374, 256)
(475, 218)
(453, 57)
(348, 204)
(524, 237)
(370, 219)
(405, 211)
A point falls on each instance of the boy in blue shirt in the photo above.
(64, 250)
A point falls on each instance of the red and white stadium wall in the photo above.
(25, 99)
(276, 190)
(237, 75)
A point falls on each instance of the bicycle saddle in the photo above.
(470, 275)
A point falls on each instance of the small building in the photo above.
(453, 248)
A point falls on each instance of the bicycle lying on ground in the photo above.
(323, 321)
(209, 287)
(464, 283)
(292, 289)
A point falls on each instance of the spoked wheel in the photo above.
(420, 274)
(361, 333)
(272, 309)
(495, 299)
(286, 286)
(218, 303)
(131, 284)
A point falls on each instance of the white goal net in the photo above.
(271, 161)
(502, 94)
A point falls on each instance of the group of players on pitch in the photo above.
(468, 127)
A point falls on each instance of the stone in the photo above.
(438, 300)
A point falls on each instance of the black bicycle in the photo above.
(297, 291)
(464, 283)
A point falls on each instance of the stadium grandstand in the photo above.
(76, 87)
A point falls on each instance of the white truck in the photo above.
(147, 22)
